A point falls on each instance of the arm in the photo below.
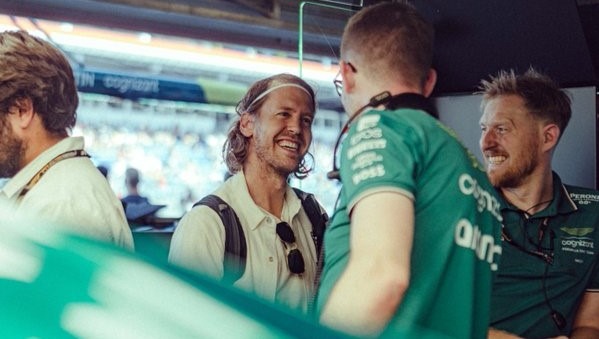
(377, 274)
(198, 242)
(498, 334)
(586, 323)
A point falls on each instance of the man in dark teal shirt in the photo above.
(548, 277)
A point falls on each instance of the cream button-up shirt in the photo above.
(199, 244)
(72, 194)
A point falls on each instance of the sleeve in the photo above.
(380, 153)
(198, 242)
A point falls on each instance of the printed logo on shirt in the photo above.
(484, 199)
(584, 198)
(578, 240)
(576, 231)
(366, 159)
(368, 121)
(363, 145)
(471, 237)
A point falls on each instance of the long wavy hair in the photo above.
(235, 148)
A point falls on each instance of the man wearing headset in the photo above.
(416, 233)
(548, 279)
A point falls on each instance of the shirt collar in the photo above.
(16, 183)
(561, 203)
(253, 214)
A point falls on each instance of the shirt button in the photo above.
(268, 220)
(270, 259)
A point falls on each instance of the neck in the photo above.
(266, 188)
(38, 145)
(532, 196)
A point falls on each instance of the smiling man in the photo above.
(548, 277)
(265, 145)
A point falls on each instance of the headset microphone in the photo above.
(334, 174)
(379, 99)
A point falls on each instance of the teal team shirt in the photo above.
(570, 221)
(456, 243)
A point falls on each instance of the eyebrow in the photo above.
(289, 108)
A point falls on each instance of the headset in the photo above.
(377, 100)
(404, 100)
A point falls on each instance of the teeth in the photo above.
(289, 144)
(495, 160)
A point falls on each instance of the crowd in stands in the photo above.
(178, 166)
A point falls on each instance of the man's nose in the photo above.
(487, 140)
(294, 126)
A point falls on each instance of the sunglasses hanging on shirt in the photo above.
(295, 260)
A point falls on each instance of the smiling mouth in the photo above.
(496, 159)
(289, 145)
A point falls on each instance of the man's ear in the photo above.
(429, 83)
(22, 112)
(551, 134)
(348, 75)
(246, 124)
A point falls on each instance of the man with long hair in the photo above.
(266, 144)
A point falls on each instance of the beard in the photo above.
(12, 151)
(525, 162)
(272, 159)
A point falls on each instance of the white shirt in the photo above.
(199, 244)
(72, 194)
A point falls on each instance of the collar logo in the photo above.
(577, 232)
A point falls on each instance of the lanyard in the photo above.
(63, 156)
(541, 252)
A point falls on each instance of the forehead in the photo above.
(291, 98)
(505, 108)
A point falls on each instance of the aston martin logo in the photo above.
(577, 232)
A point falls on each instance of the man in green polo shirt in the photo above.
(415, 237)
(548, 277)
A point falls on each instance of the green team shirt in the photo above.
(456, 241)
(571, 236)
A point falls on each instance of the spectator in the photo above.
(51, 173)
(131, 183)
(548, 278)
(415, 236)
(266, 144)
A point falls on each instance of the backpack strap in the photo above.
(318, 218)
(235, 244)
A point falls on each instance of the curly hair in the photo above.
(32, 68)
(541, 95)
(235, 148)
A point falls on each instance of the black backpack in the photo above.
(235, 243)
